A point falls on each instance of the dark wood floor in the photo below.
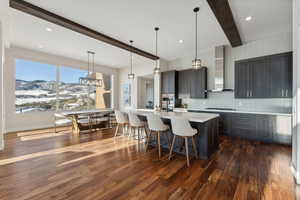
(40, 165)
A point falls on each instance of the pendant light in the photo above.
(196, 63)
(90, 79)
(157, 67)
(131, 75)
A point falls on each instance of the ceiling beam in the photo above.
(61, 21)
(223, 13)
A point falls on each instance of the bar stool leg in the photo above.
(195, 147)
(172, 146)
(117, 130)
(148, 140)
(139, 131)
(187, 151)
(159, 147)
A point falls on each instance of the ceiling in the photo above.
(136, 19)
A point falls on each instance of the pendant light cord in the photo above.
(131, 58)
(88, 63)
(156, 43)
(196, 35)
(93, 63)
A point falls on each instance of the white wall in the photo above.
(296, 91)
(1, 88)
(139, 71)
(27, 121)
(272, 45)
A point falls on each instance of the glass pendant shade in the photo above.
(196, 64)
(131, 76)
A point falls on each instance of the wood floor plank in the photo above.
(42, 165)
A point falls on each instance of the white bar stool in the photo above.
(136, 124)
(181, 127)
(156, 126)
(122, 121)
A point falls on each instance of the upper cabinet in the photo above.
(193, 83)
(264, 77)
(199, 84)
(169, 82)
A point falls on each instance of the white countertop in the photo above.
(192, 117)
(244, 111)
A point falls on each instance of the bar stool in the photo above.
(181, 127)
(122, 121)
(136, 123)
(157, 126)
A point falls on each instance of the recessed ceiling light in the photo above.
(49, 29)
(180, 41)
(249, 18)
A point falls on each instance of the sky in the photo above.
(30, 71)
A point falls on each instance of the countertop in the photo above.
(192, 117)
(243, 111)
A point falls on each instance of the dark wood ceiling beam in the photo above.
(61, 21)
(223, 13)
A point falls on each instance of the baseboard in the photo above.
(296, 174)
(29, 128)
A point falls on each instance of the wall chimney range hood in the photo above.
(219, 76)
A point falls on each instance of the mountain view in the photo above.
(40, 95)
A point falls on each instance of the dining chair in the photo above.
(181, 127)
(157, 127)
(136, 124)
(122, 121)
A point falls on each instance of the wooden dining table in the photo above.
(88, 114)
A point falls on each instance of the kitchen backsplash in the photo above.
(227, 100)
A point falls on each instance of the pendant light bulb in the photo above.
(131, 74)
(196, 63)
(157, 67)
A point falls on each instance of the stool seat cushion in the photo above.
(155, 123)
(182, 127)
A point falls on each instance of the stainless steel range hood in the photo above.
(219, 76)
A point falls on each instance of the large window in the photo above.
(72, 95)
(35, 86)
(40, 88)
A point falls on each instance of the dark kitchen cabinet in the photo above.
(259, 127)
(169, 82)
(265, 127)
(184, 81)
(243, 125)
(264, 77)
(198, 87)
(280, 70)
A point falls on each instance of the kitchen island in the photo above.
(207, 125)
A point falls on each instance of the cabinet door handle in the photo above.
(286, 93)
(282, 93)
(250, 93)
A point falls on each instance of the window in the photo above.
(35, 86)
(73, 96)
(44, 87)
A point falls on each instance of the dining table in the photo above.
(101, 119)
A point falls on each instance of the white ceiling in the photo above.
(135, 19)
